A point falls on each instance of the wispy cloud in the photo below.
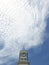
(22, 24)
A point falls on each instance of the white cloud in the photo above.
(22, 24)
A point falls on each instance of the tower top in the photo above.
(23, 58)
(23, 51)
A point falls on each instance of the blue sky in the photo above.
(41, 55)
(24, 24)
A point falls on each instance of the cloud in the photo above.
(22, 24)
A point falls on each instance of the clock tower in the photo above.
(23, 58)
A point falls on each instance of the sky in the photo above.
(24, 24)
